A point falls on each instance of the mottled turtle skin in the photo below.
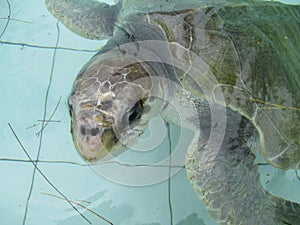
(252, 48)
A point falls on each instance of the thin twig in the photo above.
(77, 203)
(32, 126)
(50, 118)
(43, 175)
(13, 19)
(36, 124)
(46, 122)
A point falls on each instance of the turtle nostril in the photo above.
(94, 131)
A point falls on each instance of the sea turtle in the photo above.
(245, 55)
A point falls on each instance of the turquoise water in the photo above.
(29, 67)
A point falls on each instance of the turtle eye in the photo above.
(135, 111)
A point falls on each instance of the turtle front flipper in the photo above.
(227, 179)
(88, 18)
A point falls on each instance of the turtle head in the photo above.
(92, 129)
(110, 108)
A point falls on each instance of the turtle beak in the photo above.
(94, 143)
(91, 148)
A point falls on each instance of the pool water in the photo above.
(39, 61)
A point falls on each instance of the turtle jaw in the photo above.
(93, 135)
(90, 148)
(98, 140)
(93, 148)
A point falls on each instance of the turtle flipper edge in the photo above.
(227, 179)
(88, 18)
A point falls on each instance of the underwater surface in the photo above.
(39, 62)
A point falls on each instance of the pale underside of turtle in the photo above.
(251, 48)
